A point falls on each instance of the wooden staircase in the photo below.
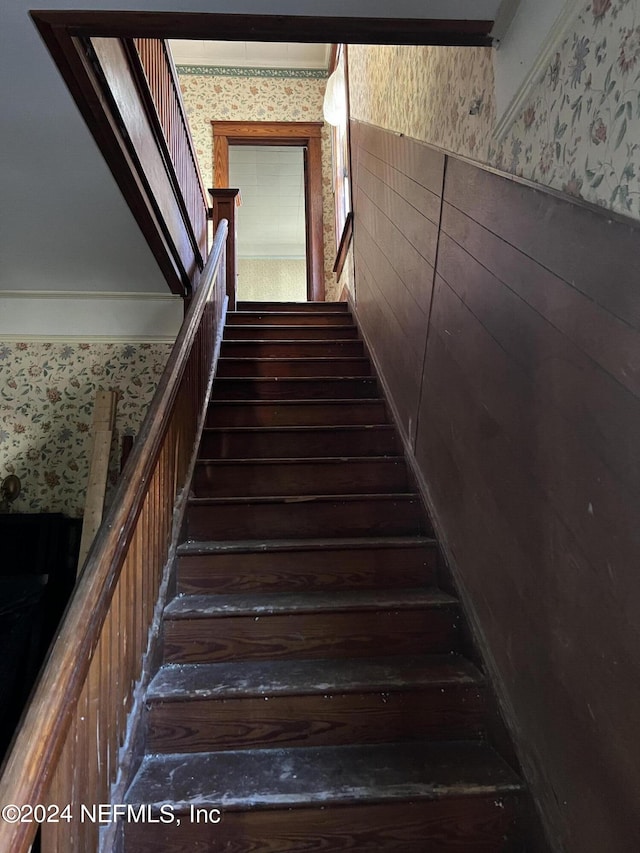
(314, 687)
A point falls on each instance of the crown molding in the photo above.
(550, 45)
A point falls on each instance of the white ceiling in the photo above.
(271, 219)
(251, 54)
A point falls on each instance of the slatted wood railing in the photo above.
(164, 88)
(67, 749)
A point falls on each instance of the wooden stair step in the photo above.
(484, 823)
(293, 367)
(271, 604)
(312, 516)
(300, 441)
(244, 305)
(289, 318)
(290, 565)
(294, 388)
(265, 778)
(251, 679)
(275, 332)
(201, 707)
(263, 477)
(391, 798)
(266, 413)
(287, 349)
(355, 623)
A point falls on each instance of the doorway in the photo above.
(300, 135)
(271, 233)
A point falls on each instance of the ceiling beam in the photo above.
(287, 28)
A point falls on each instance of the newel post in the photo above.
(225, 202)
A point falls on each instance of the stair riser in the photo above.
(294, 389)
(311, 635)
(294, 318)
(313, 570)
(441, 712)
(295, 349)
(295, 367)
(306, 444)
(323, 307)
(306, 519)
(218, 480)
(477, 824)
(287, 333)
(297, 414)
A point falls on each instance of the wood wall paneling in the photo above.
(612, 343)
(396, 210)
(400, 364)
(581, 246)
(527, 415)
(536, 586)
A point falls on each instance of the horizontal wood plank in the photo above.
(573, 243)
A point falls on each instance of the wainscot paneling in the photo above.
(515, 372)
(397, 201)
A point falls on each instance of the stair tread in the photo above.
(287, 341)
(296, 499)
(262, 778)
(302, 428)
(297, 379)
(216, 547)
(261, 312)
(287, 359)
(258, 326)
(239, 679)
(302, 460)
(314, 401)
(257, 604)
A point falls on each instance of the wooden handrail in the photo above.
(66, 749)
(164, 89)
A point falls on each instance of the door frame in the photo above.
(307, 135)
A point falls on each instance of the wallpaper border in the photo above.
(247, 71)
(98, 316)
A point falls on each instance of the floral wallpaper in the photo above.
(208, 97)
(441, 95)
(579, 132)
(47, 392)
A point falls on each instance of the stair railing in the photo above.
(161, 79)
(67, 752)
